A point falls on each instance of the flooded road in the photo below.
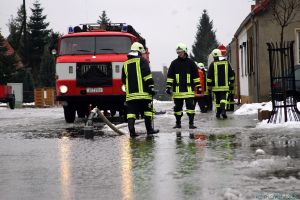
(42, 157)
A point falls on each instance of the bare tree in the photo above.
(284, 13)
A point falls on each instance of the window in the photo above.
(95, 45)
(245, 58)
(298, 39)
(242, 60)
(250, 55)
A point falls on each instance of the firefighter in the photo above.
(139, 86)
(181, 79)
(202, 98)
(230, 106)
(220, 76)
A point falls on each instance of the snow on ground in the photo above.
(249, 109)
(165, 108)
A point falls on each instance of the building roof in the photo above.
(258, 8)
(10, 51)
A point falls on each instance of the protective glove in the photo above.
(168, 90)
(199, 90)
(152, 91)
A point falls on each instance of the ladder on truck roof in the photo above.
(119, 27)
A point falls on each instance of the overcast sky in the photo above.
(163, 23)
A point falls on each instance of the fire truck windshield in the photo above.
(95, 45)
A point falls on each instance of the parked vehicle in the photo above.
(89, 66)
(286, 83)
(7, 96)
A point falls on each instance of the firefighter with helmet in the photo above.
(139, 86)
(181, 79)
(202, 98)
(220, 77)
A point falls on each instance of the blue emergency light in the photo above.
(70, 29)
(124, 27)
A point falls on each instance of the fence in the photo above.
(283, 88)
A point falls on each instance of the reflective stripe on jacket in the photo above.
(183, 77)
(220, 75)
(137, 78)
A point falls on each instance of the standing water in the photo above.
(42, 157)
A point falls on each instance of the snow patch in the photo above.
(272, 163)
(231, 194)
(247, 109)
(288, 124)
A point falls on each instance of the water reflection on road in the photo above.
(65, 168)
(48, 159)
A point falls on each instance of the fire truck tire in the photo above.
(112, 113)
(82, 112)
(12, 102)
(70, 113)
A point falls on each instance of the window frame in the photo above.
(242, 60)
(297, 33)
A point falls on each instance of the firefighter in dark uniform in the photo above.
(139, 86)
(220, 76)
(181, 79)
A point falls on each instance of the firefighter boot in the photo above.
(178, 121)
(218, 114)
(149, 128)
(131, 128)
(223, 110)
(224, 113)
(191, 122)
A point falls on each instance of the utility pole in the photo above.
(25, 34)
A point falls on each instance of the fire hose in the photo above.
(88, 128)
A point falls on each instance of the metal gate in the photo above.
(283, 88)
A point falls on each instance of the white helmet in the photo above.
(136, 46)
(216, 53)
(200, 65)
(181, 47)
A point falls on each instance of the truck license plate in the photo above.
(94, 90)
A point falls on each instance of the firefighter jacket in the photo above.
(137, 78)
(220, 76)
(183, 77)
(203, 82)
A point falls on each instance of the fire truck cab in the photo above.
(7, 95)
(89, 67)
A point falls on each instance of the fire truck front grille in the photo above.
(94, 74)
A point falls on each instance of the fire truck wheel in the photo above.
(82, 112)
(112, 113)
(12, 102)
(70, 113)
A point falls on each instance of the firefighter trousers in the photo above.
(190, 108)
(220, 99)
(203, 103)
(140, 106)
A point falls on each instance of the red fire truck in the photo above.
(89, 67)
(7, 96)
